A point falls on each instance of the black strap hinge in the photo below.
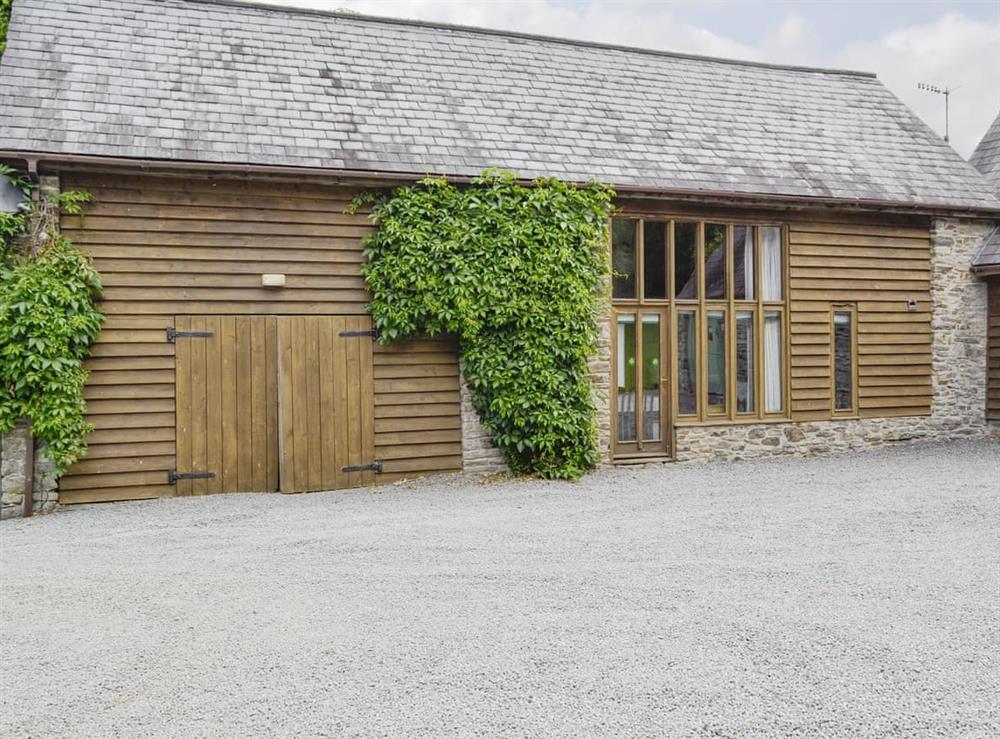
(376, 465)
(373, 333)
(173, 476)
(173, 333)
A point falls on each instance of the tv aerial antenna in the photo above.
(937, 90)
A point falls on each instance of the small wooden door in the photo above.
(326, 426)
(226, 404)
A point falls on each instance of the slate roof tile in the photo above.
(212, 81)
(986, 157)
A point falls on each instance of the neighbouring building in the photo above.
(792, 251)
(986, 159)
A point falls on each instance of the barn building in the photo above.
(986, 158)
(792, 251)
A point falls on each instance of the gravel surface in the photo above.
(848, 596)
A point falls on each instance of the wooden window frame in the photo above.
(642, 447)
(673, 306)
(852, 310)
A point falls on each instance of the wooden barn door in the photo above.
(227, 404)
(326, 403)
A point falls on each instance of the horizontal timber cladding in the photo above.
(174, 246)
(993, 351)
(880, 269)
(875, 262)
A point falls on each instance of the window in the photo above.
(686, 261)
(623, 259)
(708, 299)
(770, 263)
(687, 363)
(745, 363)
(626, 377)
(715, 261)
(743, 262)
(844, 361)
(654, 252)
(716, 352)
(773, 395)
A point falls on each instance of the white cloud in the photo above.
(952, 50)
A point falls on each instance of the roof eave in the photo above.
(35, 159)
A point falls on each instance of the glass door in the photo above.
(641, 399)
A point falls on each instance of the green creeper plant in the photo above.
(517, 274)
(48, 320)
(5, 8)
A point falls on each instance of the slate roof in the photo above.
(986, 157)
(988, 257)
(215, 81)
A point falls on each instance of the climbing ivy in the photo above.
(5, 8)
(48, 320)
(515, 272)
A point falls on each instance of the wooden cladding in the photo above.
(171, 247)
(993, 350)
(883, 274)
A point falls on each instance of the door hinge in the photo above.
(173, 476)
(376, 465)
(373, 333)
(173, 333)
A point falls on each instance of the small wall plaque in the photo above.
(268, 280)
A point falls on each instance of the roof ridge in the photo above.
(351, 16)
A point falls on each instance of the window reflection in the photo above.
(715, 261)
(623, 257)
(686, 260)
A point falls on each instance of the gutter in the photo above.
(381, 177)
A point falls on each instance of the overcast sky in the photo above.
(955, 44)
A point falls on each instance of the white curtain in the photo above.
(772, 363)
(770, 262)
(748, 263)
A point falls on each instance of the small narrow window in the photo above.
(843, 361)
(627, 371)
(745, 363)
(770, 263)
(686, 261)
(716, 347)
(773, 391)
(687, 367)
(715, 261)
(654, 260)
(623, 257)
(743, 263)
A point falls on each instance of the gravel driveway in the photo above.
(848, 596)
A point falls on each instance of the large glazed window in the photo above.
(720, 289)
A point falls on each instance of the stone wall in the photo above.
(479, 456)
(958, 409)
(13, 480)
(600, 376)
(958, 323)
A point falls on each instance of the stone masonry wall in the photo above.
(959, 375)
(13, 480)
(479, 456)
(600, 377)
